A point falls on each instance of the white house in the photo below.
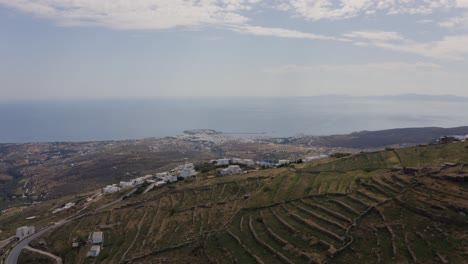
(237, 161)
(24, 231)
(162, 175)
(94, 251)
(171, 178)
(97, 237)
(222, 162)
(185, 166)
(319, 157)
(185, 173)
(283, 162)
(111, 189)
(247, 162)
(125, 185)
(231, 170)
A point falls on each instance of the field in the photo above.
(367, 208)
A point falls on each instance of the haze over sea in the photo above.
(89, 120)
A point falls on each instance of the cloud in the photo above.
(234, 15)
(280, 33)
(454, 47)
(375, 35)
(343, 9)
(356, 68)
(137, 14)
(455, 22)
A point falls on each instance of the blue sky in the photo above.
(55, 49)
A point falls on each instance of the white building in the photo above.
(171, 178)
(231, 170)
(97, 237)
(283, 162)
(461, 138)
(166, 177)
(125, 185)
(162, 175)
(246, 162)
(186, 170)
(24, 231)
(185, 173)
(111, 189)
(94, 251)
(222, 162)
(319, 157)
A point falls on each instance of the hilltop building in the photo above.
(24, 231)
(109, 189)
(231, 170)
(246, 162)
(312, 158)
(166, 177)
(223, 162)
(283, 162)
(265, 164)
(186, 170)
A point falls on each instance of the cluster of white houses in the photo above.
(187, 170)
(182, 171)
(234, 164)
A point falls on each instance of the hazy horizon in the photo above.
(91, 120)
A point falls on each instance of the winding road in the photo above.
(18, 248)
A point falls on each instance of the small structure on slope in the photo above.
(24, 231)
(231, 170)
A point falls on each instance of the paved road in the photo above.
(16, 251)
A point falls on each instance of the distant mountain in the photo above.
(421, 97)
(382, 138)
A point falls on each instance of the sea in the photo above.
(137, 118)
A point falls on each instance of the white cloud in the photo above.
(450, 47)
(454, 47)
(280, 32)
(375, 35)
(455, 22)
(234, 15)
(342, 9)
(357, 68)
(137, 14)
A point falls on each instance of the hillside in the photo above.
(395, 206)
(382, 138)
(38, 172)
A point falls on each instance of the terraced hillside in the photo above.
(395, 206)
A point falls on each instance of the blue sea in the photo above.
(116, 119)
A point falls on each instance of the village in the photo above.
(227, 166)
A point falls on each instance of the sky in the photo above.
(68, 49)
